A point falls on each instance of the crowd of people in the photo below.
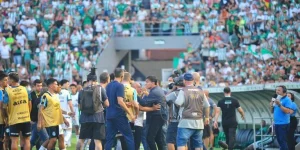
(184, 117)
(242, 42)
(46, 114)
(246, 43)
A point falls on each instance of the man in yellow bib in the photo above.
(17, 104)
(50, 115)
(130, 96)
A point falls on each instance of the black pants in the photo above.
(230, 133)
(155, 132)
(291, 133)
(138, 132)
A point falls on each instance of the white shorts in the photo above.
(126, 32)
(75, 121)
(212, 53)
(60, 130)
(69, 119)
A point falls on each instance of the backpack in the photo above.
(90, 100)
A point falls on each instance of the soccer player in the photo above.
(50, 114)
(17, 102)
(3, 85)
(67, 109)
(74, 97)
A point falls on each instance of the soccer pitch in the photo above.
(74, 141)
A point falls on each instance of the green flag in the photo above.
(266, 54)
(252, 50)
(175, 62)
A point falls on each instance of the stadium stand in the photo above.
(242, 42)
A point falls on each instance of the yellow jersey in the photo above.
(52, 113)
(17, 105)
(130, 96)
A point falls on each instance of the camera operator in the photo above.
(173, 113)
(175, 74)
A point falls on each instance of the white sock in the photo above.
(42, 148)
(77, 137)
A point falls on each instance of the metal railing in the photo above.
(148, 30)
(261, 135)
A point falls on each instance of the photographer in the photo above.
(172, 77)
(173, 113)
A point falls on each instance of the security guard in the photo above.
(17, 104)
(50, 115)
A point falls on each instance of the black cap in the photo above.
(92, 75)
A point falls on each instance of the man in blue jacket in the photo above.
(155, 119)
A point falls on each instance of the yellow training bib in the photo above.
(129, 97)
(18, 105)
(52, 113)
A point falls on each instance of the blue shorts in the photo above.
(195, 135)
(172, 132)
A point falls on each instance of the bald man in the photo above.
(208, 136)
(197, 82)
(140, 130)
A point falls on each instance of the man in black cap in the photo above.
(92, 121)
(192, 100)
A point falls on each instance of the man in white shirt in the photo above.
(21, 39)
(74, 97)
(31, 20)
(75, 39)
(5, 55)
(99, 23)
(23, 24)
(142, 13)
(243, 5)
(68, 112)
(43, 36)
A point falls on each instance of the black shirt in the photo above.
(35, 100)
(228, 106)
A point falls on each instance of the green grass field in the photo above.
(73, 144)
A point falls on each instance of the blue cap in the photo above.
(188, 77)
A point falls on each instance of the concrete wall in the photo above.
(109, 58)
(154, 42)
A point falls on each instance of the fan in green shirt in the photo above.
(230, 24)
(127, 26)
(121, 8)
(46, 24)
(10, 40)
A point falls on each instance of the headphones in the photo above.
(284, 89)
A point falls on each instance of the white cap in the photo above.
(76, 49)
